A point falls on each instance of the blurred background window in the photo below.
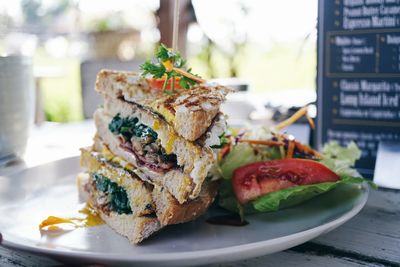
(268, 44)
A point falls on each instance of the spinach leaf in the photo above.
(102, 182)
(129, 127)
(119, 201)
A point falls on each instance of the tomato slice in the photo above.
(257, 179)
(158, 83)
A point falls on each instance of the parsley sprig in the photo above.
(168, 64)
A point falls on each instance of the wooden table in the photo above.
(372, 238)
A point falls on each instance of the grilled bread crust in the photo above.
(169, 211)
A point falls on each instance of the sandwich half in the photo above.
(132, 207)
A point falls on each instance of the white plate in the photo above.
(28, 197)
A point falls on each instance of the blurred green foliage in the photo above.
(61, 92)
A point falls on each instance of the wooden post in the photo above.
(175, 26)
(165, 23)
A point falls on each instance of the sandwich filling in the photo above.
(145, 140)
(142, 141)
(111, 185)
(111, 196)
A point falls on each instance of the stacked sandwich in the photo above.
(152, 153)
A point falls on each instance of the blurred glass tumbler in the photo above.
(17, 99)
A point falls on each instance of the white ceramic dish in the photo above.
(28, 197)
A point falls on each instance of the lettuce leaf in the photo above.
(284, 198)
(341, 159)
(295, 195)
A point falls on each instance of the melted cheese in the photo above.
(166, 113)
(156, 125)
(169, 146)
(108, 155)
(169, 143)
(129, 167)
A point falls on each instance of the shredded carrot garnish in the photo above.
(224, 151)
(310, 121)
(281, 148)
(308, 150)
(296, 116)
(189, 75)
(290, 150)
(262, 142)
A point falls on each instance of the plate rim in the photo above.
(256, 247)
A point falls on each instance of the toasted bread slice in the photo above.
(189, 112)
(169, 211)
(135, 228)
(139, 192)
(193, 160)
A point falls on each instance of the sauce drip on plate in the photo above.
(54, 224)
(91, 218)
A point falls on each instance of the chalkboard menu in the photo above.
(359, 75)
